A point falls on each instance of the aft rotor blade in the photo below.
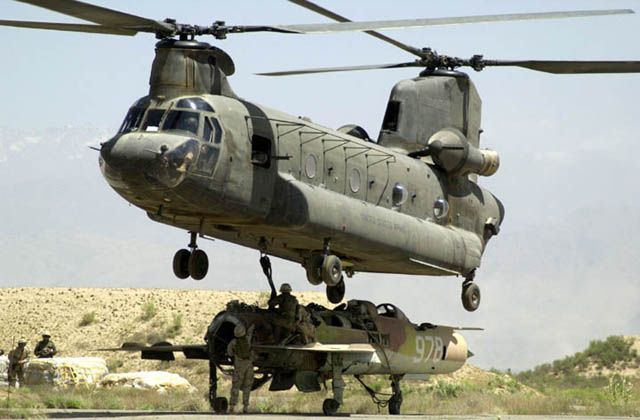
(332, 15)
(70, 27)
(411, 23)
(572, 67)
(100, 15)
(336, 69)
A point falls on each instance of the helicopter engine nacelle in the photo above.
(454, 154)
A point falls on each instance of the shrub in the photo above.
(176, 326)
(149, 310)
(88, 319)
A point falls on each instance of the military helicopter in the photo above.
(356, 338)
(194, 155)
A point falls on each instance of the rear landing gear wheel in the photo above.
(331, 270)
(330, 407)
(314, 269)
(220, 405)
(198, 264)
(470, 296)
(335, 294)
(181, 263)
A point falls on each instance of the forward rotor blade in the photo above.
(70, 27)
(571, 67)
(100, 15)
(411, 23)
(328, 13)
(336, 69)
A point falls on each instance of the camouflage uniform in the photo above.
(240, 349)
(45, 348)
(286, 303)
(305, 327)
(18, 357)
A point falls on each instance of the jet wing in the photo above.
(164, 351)
(324, 348)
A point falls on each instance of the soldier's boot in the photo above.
(232, 409)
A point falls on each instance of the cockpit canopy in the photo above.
(192, 115)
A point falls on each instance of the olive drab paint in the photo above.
(289, 184)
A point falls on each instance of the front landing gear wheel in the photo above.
(220, 405)
(335, 294)
(330, 407)
(198, 264)
(331, 270)
(394, 404)
(181, 263)
(470, 296)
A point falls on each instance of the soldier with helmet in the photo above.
(286, 303)
(45, 347)
(18, 358)
(240, 350)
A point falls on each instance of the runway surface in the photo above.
(148, 415)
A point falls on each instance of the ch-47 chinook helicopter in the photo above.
(356, 338)
(194, 155)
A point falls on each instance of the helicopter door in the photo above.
(263, 173)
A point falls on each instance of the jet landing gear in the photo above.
(470, 293)
(394, 403)
(327, 268)
(193, 262)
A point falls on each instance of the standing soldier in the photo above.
(240, 350)
(45, 347)
(18, 357)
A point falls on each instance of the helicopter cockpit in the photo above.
(192, 116)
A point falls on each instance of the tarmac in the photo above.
(189, 415)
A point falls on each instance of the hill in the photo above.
(602, 359)
(85, 319)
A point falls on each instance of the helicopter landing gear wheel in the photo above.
(335, 294)
(330, 407)
(181, 263)
(331, 270)
(198, 264)
(470, 296)
(314, 269)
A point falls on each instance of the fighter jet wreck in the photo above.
(355, 338)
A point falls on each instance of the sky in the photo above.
(561, 272)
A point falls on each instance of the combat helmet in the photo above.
(285, 288)
(22, 341)
(239, 331)
(46, 333)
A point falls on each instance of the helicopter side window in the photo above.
(207, 130)
(152, 122)
(194, 103)
(260, 151)
(132, 120)
(182, 120)
(217, 131)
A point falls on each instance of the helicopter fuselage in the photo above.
(231, 169)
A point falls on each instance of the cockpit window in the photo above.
(182, 120)
(206, 130)
(132, 120)
(194, 103)
(152, 122)
(217, 136)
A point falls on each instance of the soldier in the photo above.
(45, 347)
(18, 357)
(305, 327)
(286, 303)
(240, 349)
